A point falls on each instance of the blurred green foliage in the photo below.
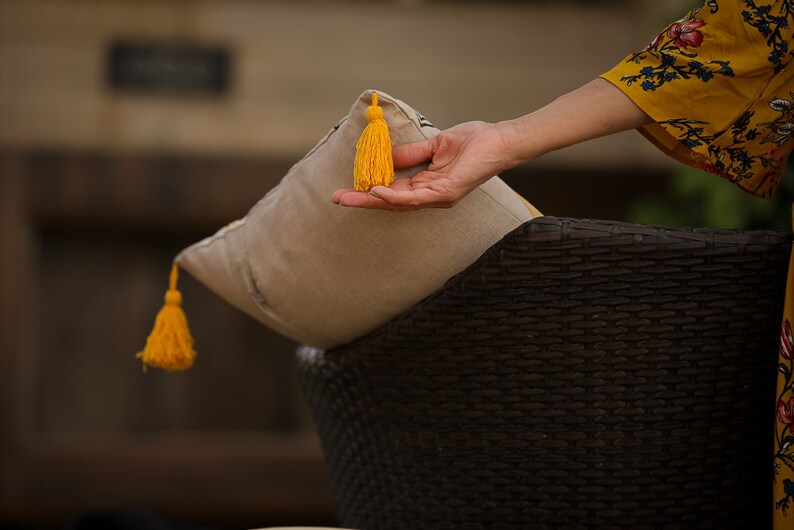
(700, 199)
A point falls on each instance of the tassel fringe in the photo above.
(374, 165)
(170, 344)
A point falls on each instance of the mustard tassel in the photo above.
(374, 165)
(170, 344)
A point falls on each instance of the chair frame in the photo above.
(580, 374)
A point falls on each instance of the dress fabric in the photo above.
(719, 90)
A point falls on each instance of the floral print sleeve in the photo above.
(717, 86)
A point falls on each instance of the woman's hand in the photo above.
(465, 156)
(460, 159)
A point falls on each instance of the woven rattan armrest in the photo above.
(580, 374)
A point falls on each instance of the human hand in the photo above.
(465, 156)
(461, 158)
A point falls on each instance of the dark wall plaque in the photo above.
(169, 68)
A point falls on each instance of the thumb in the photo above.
(409, 155)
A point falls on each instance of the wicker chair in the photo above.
(580, 374)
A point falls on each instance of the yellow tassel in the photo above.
(374, 165)
(170, 345)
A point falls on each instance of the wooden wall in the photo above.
(298, 66)
(87, 241)
(99, 189)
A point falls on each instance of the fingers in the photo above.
(337, 195)
(409, 155)
(395, 198)
(406, 155)
(410, 199)
(359, 199)
(362, 199)
(383, 198)
(399, 184)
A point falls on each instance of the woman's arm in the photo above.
(465, 156)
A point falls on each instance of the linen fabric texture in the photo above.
(323, 274)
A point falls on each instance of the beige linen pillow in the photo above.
(324, 274)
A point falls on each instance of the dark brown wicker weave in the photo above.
(581, 374)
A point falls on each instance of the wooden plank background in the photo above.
(298, 66)
(98, 191)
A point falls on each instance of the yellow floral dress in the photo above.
(718, 86)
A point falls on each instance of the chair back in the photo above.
(580, 374)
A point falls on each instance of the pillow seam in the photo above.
(494, 199)
(256, 295)
(231, 227)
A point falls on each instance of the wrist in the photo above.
(521, 144)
